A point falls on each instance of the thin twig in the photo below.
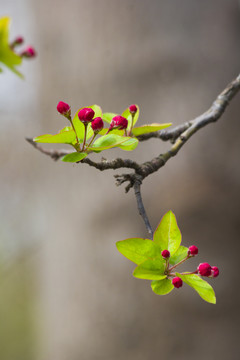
(141, 209)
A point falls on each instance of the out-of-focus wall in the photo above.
(172, 59)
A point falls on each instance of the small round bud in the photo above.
(177, 282)
(133, 109)
(192, 250)
(86, 115)
(118, 122)
(64, 109)
(204, 269)
(29, 52)
(165, 254)
(97, 124)
(215, 271)
(18, 41)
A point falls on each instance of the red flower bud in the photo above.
(177, 282)
(215, 271)
(97, 124)
(29, 52)
(86, 115)
(165, 254)
(118, 122)
(192, 250)
(133, 109)
(204, 269)
(18, 41)
(64, 109)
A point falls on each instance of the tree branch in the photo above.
(141, 209)
(178, 135)
(212, 115)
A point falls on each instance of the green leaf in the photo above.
(179, 255)
(138, 249)
(64, 137)
(162, 287)
(108, 117)
(129, 145)
(7, 56)
(167, 234)
(202, 287)
(108, 141)
(144, 129)
(151, 269)
(74, 157)
(80, 128)
(128, 116)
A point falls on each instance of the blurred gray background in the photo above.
(66, 293)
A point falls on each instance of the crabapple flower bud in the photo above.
(215, 271)
(64, 109)
(133, 109)
(165, 254)
(204, 269)
(118, 122)
(29, 52)
(192, 250)
(17, 41)
(97, 124)
(177, 282)
(86, 115)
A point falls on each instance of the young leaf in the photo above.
(151, 269)
(128, 116)
(162, 287)
(108, 117)
(129, 145)
(114, 131)
(202, 287)
(167, 234)
(138, 250)
(144, 129)
(7, 56)
(64, 137)
(179, 255)
(108, 141)
(74, 157)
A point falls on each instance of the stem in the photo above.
(141, 208)
(130, 130)
(92, 139)
(85, 135)
(180, 262)
(70, 119)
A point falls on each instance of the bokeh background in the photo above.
(66, 293)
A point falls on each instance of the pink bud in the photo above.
(177, 282)
(118, 122)
(18, 41)
(86, 115)
(133, 108)
(204, 269)
(165, 254)
(192, 250)
(215, 271)
(97, 124)
(64, 109)
(29, 52)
